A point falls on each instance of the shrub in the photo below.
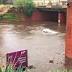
(26, 6)
(28, 9)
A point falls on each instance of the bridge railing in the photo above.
(50, 4)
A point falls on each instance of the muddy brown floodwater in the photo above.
(45, 51)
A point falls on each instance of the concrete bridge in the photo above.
(50, 14)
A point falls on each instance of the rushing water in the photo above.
(42, 47)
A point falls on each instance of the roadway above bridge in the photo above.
(52, 9)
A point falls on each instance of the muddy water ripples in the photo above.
(44, 51)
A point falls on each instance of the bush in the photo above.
(26, 6)
(28, 9)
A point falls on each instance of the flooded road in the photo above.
(45, 51)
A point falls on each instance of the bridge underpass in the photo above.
(50, 14)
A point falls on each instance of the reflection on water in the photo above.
(41, 48)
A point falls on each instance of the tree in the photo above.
(25, 6)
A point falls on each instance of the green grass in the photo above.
(9, 16)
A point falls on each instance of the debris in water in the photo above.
(49, 31)
(51, 61)
(31, 67)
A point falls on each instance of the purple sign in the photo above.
(18, 58)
